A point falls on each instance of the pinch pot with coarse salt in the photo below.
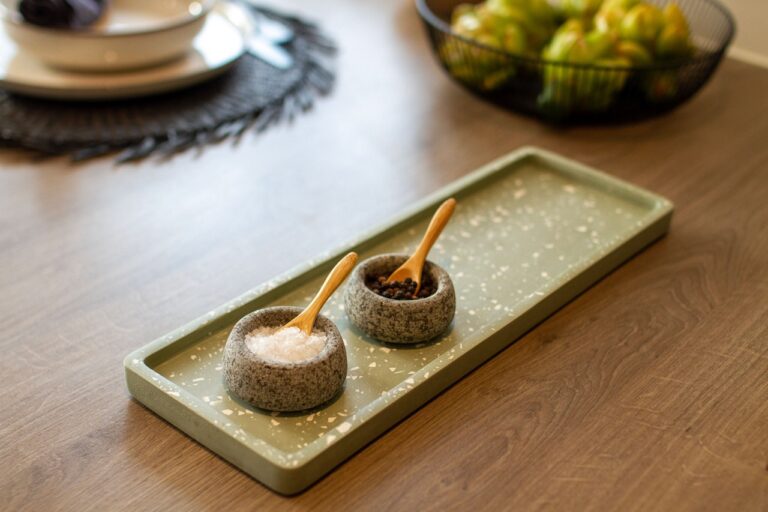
(283, 386)
(399, 321)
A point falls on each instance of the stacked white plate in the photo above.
(137, 48)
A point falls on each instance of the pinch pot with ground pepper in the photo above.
(405, 290)
(393, 312)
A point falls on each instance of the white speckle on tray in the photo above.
(227, 412)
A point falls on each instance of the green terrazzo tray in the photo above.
(532, 230)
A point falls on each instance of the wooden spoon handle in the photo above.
(436, 225)
(306, 319)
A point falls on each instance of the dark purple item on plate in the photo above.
(61, 13)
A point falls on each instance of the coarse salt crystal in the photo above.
(285, 345)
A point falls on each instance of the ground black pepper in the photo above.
(398, 290)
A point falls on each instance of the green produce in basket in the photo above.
(672, 43)
(492, 20)
(542, 12)
(625, 5)
(568, 86)
(464, 20)
(536, 18)
(571, 25)
(674, 39)
(479, 67)
(519, 27)
(635, 53)
(615, 36)
(642, 24)
(600, 44)
(611, 13)
(504, 11)
(580, 8)
(609, 19)
(674, 16)
(661, 86)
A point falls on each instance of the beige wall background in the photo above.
(751, 42)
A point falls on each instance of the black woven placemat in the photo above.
(251, 95)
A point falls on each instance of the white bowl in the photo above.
(130, 34)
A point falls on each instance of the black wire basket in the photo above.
(594, 93)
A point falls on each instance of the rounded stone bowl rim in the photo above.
(358, 279)
(332, 338)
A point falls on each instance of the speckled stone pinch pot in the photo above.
(283, 386)
(399, 321)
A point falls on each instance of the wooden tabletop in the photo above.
(647, 392)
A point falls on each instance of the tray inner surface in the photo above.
(515, 236)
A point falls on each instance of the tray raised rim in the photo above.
(173, 402)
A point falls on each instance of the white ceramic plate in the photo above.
(218, 45)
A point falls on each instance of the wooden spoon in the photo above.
(305, 321)
(413, 265)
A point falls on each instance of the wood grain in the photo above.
(648, 392)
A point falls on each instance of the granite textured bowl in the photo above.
(399, 321)
(283, 386)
